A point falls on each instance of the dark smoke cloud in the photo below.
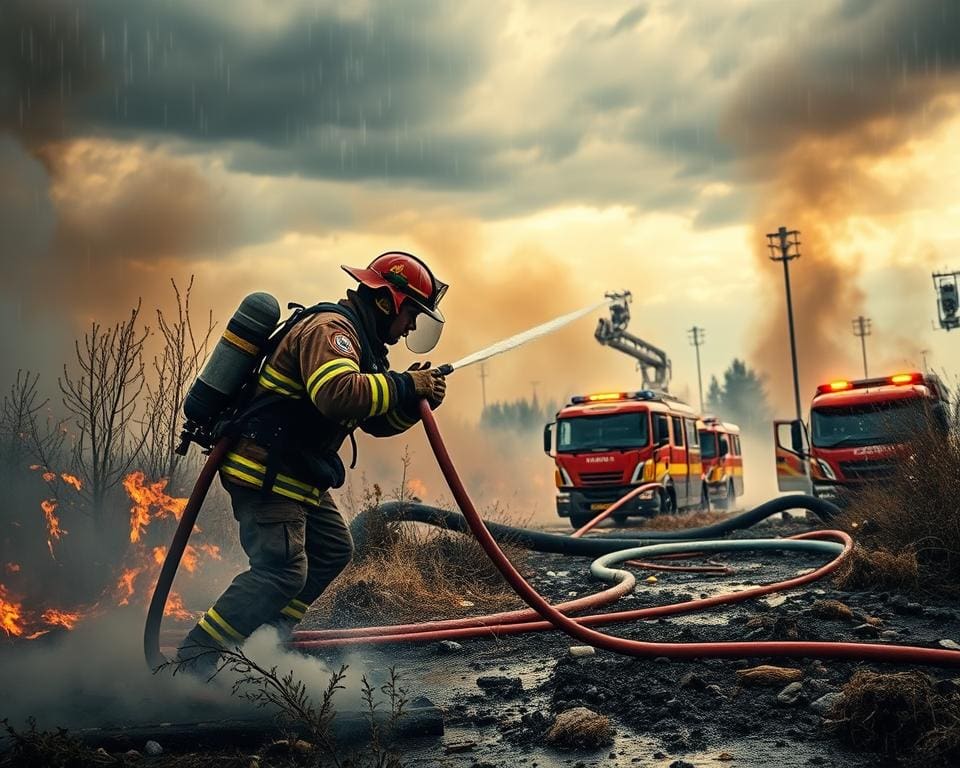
(808, 124)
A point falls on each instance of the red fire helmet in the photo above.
(407, 278)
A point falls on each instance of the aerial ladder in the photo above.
(652, 362)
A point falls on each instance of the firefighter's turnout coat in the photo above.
(328, 376)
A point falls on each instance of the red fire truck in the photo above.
(858, 431)
(604, 444)
(722, 461)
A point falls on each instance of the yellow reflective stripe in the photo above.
(231, 338)
(374, 393)
(340, 370)
(274, 374)
(225, 625)
(281, 491)
(328, 366)
(241, 475)
(283, 485)
(208, 628)
(293, 614)
(264, 382)
(386, 391)
(299, 604)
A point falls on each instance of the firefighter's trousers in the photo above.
(295, 551)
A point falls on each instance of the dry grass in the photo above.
(683, 520)
(915, 514)
(900, 714)
(580, 728)
(878, 569)
(767, 675)
(831, 609)
(411, 571)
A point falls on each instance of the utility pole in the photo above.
(483, 385)
(923, 360)
(784, 246)
(534, 385)
(697, 338)
(861, 329)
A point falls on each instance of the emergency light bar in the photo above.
(599, 397)
(900, 379)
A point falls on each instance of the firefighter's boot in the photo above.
(198, 655)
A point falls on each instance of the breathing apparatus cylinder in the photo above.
(229, 367)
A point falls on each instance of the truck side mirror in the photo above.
(548, 438)
(724, 447)
(796, 436)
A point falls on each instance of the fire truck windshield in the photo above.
(870, 424)
(603, 433)
(708, 445)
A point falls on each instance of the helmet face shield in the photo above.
(425, 336)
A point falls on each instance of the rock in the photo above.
(724, 756)
(866, 630)
(681, 764)
(582, 651)
(691, 680)
(448, 646)
(949, 644)
(459, 746)
(889, 635)
(132, 754)
(500, 684)
(790, 694)
(826, 702)
(101, 752)
(900, 604)
(153, 748)
(775, 601)
(715, 691)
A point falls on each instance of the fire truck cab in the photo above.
(858, 431)
(607, 443)
(722, 461)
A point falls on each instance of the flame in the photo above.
(418, 488)
(49, 477)
(11, 614)
(146, 497)
(13, 567)
(35, 467)
(63, 619)
(71, 480)
(212, 550)
(125, 584)
(54, 531)
(176, 608)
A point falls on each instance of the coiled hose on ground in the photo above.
(578, 628)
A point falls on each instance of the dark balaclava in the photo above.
(381, 307)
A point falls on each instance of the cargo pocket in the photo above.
(280, 543)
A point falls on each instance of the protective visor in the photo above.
(430, 320)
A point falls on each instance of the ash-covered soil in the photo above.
(503, 695)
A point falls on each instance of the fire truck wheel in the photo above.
(668, 502)
(730, 501)
(578, 519)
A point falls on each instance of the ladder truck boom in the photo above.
(653, 363)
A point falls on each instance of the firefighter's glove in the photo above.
(430, 384)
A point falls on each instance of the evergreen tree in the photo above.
(742, 398)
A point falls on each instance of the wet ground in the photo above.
(673, 714)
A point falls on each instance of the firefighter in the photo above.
(328, 376)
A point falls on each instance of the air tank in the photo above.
(233, 359)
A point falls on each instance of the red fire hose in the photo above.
(578, 628)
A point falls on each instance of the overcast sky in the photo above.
(537, 154)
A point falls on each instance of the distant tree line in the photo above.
(741, 398)
(518, 415)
